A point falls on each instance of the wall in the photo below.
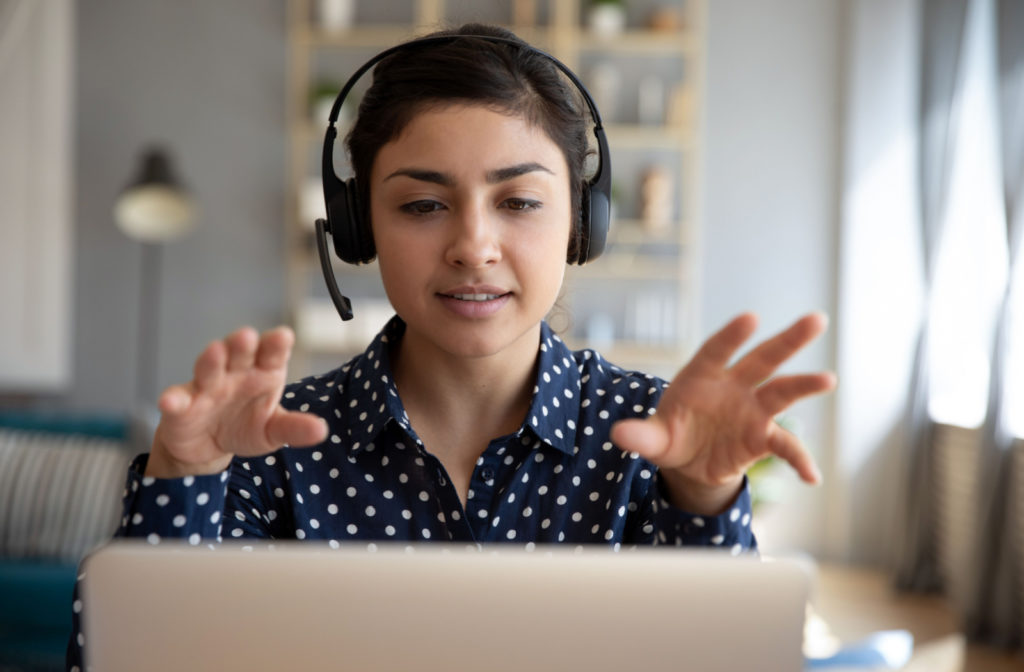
(207, 79)
(769, 241)
(881, 278)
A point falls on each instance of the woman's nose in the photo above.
(474, 239)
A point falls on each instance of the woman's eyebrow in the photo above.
(423, 175)
(511, 172)
(493, 176)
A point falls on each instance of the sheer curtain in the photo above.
(36, 188)
(963, 528)
(995, 612)
(942, 37)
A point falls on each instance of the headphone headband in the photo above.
(430, 40)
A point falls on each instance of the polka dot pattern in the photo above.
(558, 479)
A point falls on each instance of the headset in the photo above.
(352, 235)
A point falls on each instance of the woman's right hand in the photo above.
(231, 407)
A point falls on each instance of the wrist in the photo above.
(161, 464)
(697, 497)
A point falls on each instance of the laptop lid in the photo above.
(437, 607)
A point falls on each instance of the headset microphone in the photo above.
(341, 302)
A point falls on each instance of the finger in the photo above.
(295, 428)
(648, 437)
(720, 348)
(241, 346)
(762, 361)
(175, 400)
(209, 367)
(779, 394)
(788, 447)
(275, 348)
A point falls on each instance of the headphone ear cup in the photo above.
(595, 220)
(353, 240)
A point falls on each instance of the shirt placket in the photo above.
(482, 503)
(456, 520)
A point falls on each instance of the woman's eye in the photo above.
(521, 204)
(421, 207)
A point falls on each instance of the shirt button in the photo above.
(487, 473)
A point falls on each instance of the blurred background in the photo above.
(857, 157)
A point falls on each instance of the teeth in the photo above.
(476, 297)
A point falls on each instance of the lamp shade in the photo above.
(155, 207)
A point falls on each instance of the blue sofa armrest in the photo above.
(35, 619)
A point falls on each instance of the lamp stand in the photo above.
(146, 365)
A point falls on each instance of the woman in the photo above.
(467, 419)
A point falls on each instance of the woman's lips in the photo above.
(475, 302)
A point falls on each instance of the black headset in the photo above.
(353, 238)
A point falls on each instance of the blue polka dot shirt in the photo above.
(557, 479)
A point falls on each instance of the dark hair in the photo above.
(498, 75)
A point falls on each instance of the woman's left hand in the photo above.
(715, 420)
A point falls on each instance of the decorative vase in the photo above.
(336, 14)
(606, 19)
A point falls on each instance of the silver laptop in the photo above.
(440, 608)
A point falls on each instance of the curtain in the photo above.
(36, 188)
(972, 63)
(995, 612)
(942, 36)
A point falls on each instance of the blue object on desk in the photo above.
(886, 649)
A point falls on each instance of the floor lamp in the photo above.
(153, 209)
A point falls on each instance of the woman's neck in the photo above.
(457, 405)
(489, 394)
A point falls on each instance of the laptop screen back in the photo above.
(436, 607)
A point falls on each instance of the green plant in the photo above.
(323, 89)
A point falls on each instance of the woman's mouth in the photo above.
(475, 304)
(475, 297)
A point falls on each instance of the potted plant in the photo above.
(321, 99)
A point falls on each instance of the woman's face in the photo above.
(471, 220)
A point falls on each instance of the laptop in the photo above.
(436, 607)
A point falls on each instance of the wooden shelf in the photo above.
(368, 36)
(645, 42)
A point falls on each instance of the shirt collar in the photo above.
(553, 409)
(556, 394)
(371, 387)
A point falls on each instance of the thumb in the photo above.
(295, 428)
(648, 437)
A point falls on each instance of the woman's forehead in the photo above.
(476, 136)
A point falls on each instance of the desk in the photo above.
(855, 602)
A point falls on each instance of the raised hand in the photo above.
(715, 420)
(231, 407)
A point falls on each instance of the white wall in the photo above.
(880, 278)
(205, 79)
(770, 225)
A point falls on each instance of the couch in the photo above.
(61, 481)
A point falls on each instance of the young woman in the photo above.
(467, 419)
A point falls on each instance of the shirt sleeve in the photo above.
(189, 508)
(730, 529)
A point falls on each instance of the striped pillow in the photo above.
(60, 495)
